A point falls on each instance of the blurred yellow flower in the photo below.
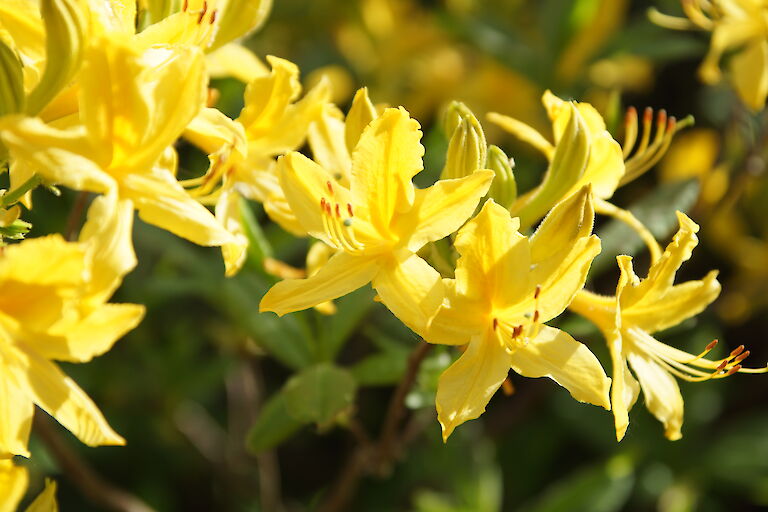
(52, 307)
(642, 307)
(506, 287)
(377, 224)
(13, 483)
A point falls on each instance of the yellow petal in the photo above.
(93, 334)
(210, 130)
(46, 500)
(360, 115)
(16, 411)
(495, 259)
(410, 288)
(465, 388)
(267, 97)
(107, 233)
(441, 209)
(228, 213)
(59, 396)
(161, 201)
(240, 18)
(236, 61)
(523, 132)
(63, 157)
(385, 160)
(113, 16)
(457, 320)
(137, 104)
(326, 139)
(342, 274)
(13, 484)
(555, 354)
(43, 261)
(749, 68)
(624, 388)
(661, 393)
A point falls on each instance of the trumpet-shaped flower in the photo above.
(377, 223)
(133, 107)
(642, 307)
(52, 307)
(506, 286)
(242, 151)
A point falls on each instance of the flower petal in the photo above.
(342, 274)
(162, 201)
(662, 395)
(749, 69)
(555, 354)
(457, 320)
(326, 139)
(13, 484)
(442, 208)
(236, 61)
(410, 288)
(16, 411)
(466, 387)
(46, 500)
(624, 389)
(386, 158)
(228, 213)
(59, 396)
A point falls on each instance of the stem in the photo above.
(98, 491)
(73, 220)
(366, 457)
(605, 208)
(14, 196)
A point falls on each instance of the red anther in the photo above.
(671, 124)
(327, 208)
(330, 187)
(185, 6)
(733, 370)
(661, 117)
(349, 210)
(722, 366)
(322, 204)
(202, 15)
(517, 331)
(742, 357)
(213, 16)
(507, 387)
(536, 316)
(338, 212)
(537, 292)
(495, 323)
(711, 345)
(631, 114)
(648, 115)
(738, 350)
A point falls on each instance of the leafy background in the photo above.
(227, 409)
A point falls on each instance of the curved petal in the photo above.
(457, 320)
(662, 395)
(236, 61)
(442, 208)
(624, 389)
(466, 387)
(342, 274)
(555, 354)
(749, 68)
(162, 201)
(46, 500)
(59, 396)
(410, 288)
(16, 411)
(386, 158)
(495, 259)
(13, 484)
(326, 139)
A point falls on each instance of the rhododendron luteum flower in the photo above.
(133, 107)
(642, 307)
(506, 286)
(377, 224)
(50, 309)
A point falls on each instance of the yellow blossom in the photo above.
(377, 223)
(642, 307)
(52, 307)
(506, 286)
(13, 483)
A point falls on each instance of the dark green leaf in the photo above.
(319, 394)
(273, 425)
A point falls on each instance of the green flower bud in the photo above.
(504, 187)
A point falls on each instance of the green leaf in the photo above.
(656, 211)
(273, 426)
(381, 369)
(319, 394)
(605, 488)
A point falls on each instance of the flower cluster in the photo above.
(94, 102)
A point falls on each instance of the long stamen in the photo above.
(339, 230)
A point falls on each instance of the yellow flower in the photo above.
(13, 483)
(242, 151)
(506, 286)
(377, 224)
(735, 24)
(133, 107)
(642, 307)
(52, 307)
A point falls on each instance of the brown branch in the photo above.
(378, 457)
(90, 484)
(75, 216)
